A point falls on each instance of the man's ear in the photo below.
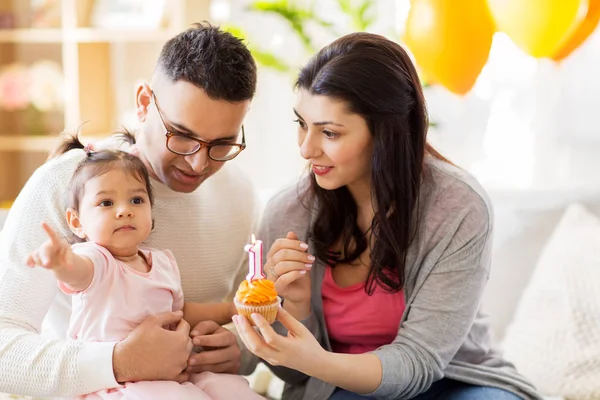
(143, 98)
(75, 223)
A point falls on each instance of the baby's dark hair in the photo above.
(97, 163)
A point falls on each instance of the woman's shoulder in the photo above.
(289, 209)
(290, 201)
(449, 192)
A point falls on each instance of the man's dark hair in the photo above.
(211, 59)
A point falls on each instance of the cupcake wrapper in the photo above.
(269, 311)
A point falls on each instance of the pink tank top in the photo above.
(356, 322)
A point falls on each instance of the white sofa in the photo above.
(523, 223)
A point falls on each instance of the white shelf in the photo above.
(84, 35)
(30, 36)
(96, 62)
(92, 35)
(28, 143)
(39, 144)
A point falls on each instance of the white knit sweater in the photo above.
(206, 231)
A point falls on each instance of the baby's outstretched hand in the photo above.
(55, 253)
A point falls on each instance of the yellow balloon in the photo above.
(450, 43)
(538, 27)
(584, 29)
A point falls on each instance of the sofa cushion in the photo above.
(523, 223)
(554, 338)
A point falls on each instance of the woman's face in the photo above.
(337, 143)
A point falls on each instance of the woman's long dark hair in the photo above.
(376, 79)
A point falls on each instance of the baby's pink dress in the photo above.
(120, 298)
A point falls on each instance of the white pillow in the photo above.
(554, 339)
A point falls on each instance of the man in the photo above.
(191, 118)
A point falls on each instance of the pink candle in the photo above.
(255, 270)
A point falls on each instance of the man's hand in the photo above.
(154, 352)
(220, 350)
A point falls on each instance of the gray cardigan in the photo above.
(442, 332)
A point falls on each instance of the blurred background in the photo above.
(512, 88)
(518, 121)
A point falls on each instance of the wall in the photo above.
(527, 125)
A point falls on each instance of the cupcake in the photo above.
(257, 296)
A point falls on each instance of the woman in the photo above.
(396, 243)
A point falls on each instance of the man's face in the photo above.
(186, 110)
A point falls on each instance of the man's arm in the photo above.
(35, 365)
(30, 363)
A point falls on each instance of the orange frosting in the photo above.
(256, 292)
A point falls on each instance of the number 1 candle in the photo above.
(255, 270)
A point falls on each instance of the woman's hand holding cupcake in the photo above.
(288, 264)
(298, 350)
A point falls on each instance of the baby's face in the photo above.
(115, 212)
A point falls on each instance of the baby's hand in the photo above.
(55, 253)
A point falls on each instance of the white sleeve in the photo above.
(30, 363)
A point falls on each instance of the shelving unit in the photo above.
(84, 35)
(34, 144)
(101, 69)
(27, 144)
(31, 35)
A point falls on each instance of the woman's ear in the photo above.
(75, 223)
(143, 98)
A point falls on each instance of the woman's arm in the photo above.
(359, 373)
(438, 322)
(440, 319)
(442, 314)
(290, 375)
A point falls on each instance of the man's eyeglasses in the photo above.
(185, 145)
